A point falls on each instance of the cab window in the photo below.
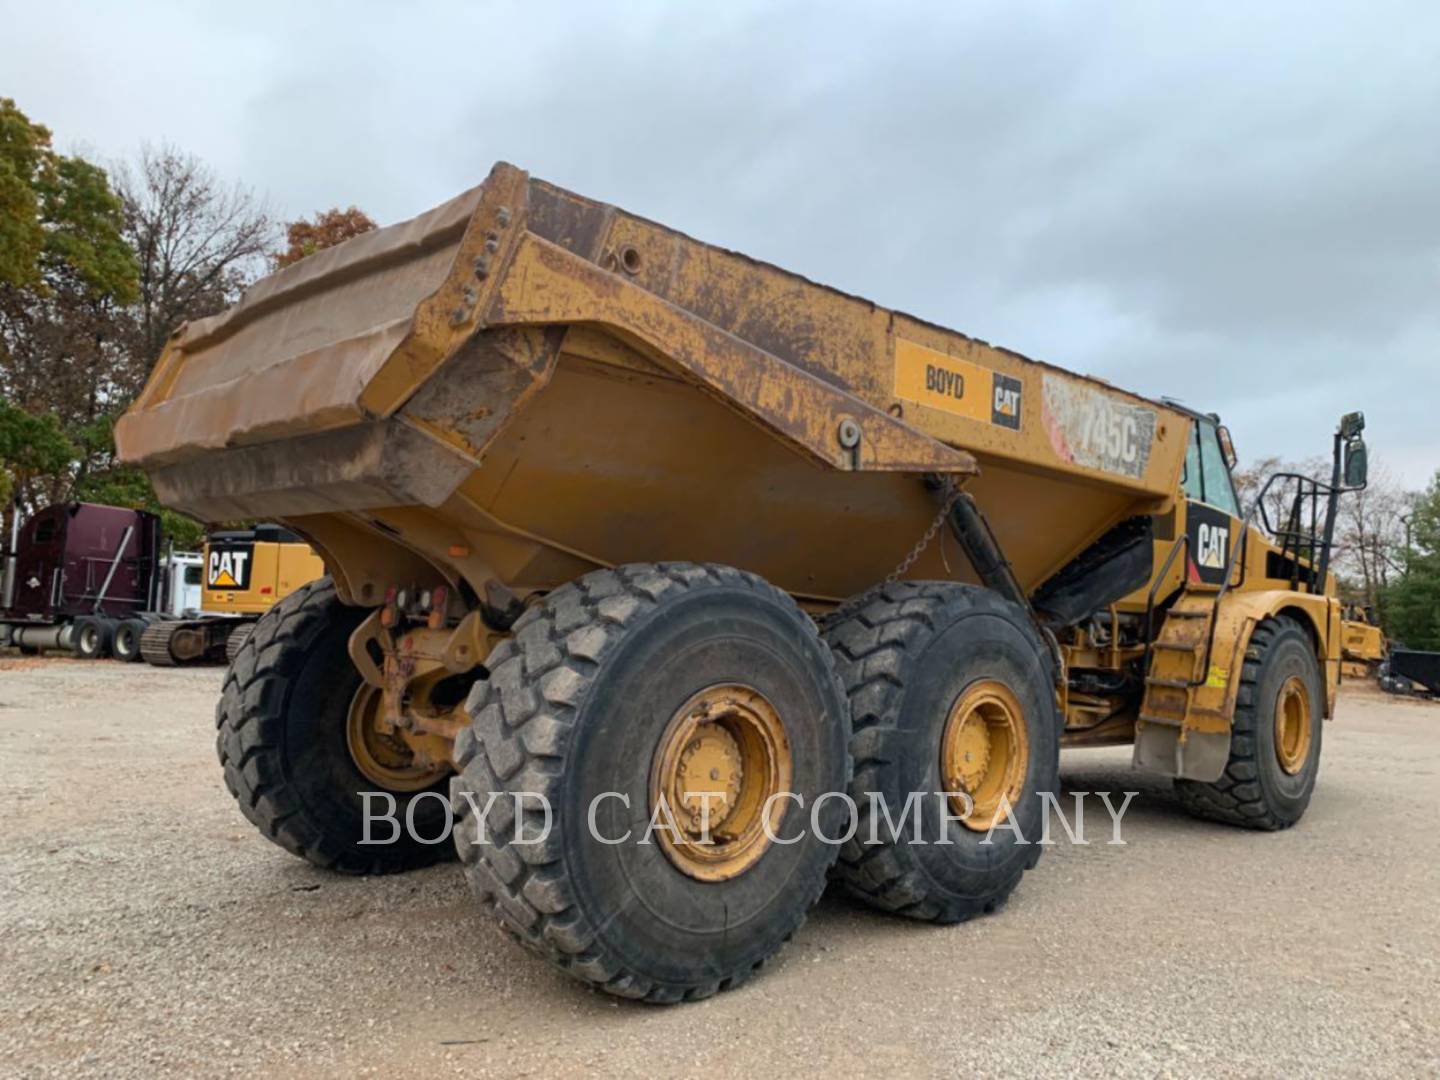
(1219, 491)
(1207, 478)
(192, 575)
(1194, 485)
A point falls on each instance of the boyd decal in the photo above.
(944, 381)
(956, 386)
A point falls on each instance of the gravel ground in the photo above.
(146, 930)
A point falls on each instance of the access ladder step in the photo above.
(1168, 721)
(1174, 684)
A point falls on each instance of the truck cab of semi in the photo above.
(74, 571)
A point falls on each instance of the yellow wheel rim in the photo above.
(1292, 725)
(722, 757)
(984, 753)
(384, 757)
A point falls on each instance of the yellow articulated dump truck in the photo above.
(673, 577)
(244, 572)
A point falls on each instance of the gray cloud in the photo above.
(1236, 206)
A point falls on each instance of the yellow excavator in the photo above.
(245, 572)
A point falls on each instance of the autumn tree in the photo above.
(325, 229)
(1370, 533)
(31, 447)
(198, 241)
(93, 280)
(67, 278)
(24, 153)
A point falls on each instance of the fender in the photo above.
(1235, 623)
(1184, 728)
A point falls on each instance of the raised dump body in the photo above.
(570, 472)
(554, 385)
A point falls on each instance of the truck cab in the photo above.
(184, 577)
(1163, 666)
(79, 566)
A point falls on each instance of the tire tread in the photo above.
(1237, 798)
(872, 640)
(523, 720)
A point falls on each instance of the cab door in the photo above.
(1212, 512)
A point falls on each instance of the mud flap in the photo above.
(1198, 755)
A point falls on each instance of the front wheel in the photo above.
(695, 697)
(1275, 736)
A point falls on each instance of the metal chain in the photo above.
(952, 494)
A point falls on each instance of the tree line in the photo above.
(98, 266)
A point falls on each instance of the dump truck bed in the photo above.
(524, 383)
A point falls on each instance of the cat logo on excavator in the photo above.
(229, 567)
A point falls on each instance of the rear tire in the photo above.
(911, 657)
(236, 641)
(93, 637)
(583, 701)
(282, 743)
(1257, 790)
(126, 645)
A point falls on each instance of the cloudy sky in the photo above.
(1237, 205)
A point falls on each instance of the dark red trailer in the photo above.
(76, 571)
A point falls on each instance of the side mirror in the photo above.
(1356, 466)
(1227, 447)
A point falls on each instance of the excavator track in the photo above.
(155, 644)
(176, 642)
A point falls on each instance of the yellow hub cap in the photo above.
(1292, 725)
(722, 757)
(382, 757)
(984, 753)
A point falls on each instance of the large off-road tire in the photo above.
(1273, 764)
(126, 644)
(282, 743)
(236, 640)
(919, 659)
(93, 637)
(582, 701)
